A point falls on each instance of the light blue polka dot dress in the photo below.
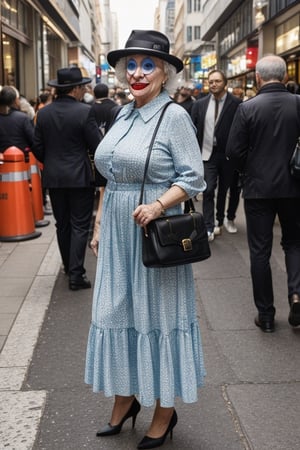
(144, 336)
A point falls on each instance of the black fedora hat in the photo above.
(68, 77)
(148, 42)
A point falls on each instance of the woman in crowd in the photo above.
(144, 338)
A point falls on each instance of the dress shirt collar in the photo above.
(221, 100)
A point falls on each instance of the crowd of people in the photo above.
(144, 346)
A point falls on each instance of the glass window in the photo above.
(23, 18)
(9, 46)
(189, 6)
(197, 5)
(15, 13)
(5, 11)
(287, 34)
(197, 32)
(238, 26)
(189, 36)
(51, 53)
(276, 6)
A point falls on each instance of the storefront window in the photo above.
(291, 70)
(9, 46)
(236, 64)
(288, 35)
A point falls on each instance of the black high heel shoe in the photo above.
(148, 442)
(110, 430)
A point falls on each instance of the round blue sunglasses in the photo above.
(147, 66)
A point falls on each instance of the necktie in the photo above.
(216, 109)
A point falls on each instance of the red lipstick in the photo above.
(139, 86)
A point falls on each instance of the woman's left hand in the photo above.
(143, 214)
(94, 244)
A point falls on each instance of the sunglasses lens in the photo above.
(148, 66)
(131, 66)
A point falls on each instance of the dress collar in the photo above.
(147, 111)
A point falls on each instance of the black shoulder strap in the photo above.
(150, 149)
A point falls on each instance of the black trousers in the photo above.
(234, 196)
(218, 172)
(260, 217)
(72, 209)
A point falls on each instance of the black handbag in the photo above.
(295, 161)
(173, 240)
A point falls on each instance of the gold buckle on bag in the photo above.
(187, 244)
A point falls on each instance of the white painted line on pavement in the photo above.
(20, 414)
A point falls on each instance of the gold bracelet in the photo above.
(163, 211)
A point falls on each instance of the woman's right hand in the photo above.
(143, 214)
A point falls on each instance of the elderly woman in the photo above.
(144, 338)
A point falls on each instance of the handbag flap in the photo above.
(173, 230)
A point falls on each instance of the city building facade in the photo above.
(244, 30)
(38, 37)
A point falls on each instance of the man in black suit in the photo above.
(65, 142)
(102, 111)
(263, 135)
(185, 99)
(212, 116)
(101, 108)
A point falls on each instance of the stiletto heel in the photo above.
(148, 442)
(110, 430)
(133, 421)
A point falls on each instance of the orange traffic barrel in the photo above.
(35, 183)
(16, 215)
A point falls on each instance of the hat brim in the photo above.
(54, 83)
(114, 56)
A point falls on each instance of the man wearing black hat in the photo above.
(64, 142)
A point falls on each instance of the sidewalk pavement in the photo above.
(251, 400)
(28, 270)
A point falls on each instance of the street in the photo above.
(252, 395)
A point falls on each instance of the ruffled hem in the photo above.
(151, 366)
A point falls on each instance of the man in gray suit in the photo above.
(263, 136)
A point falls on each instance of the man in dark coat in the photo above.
(185, 98)
(212, 116)
(102, 110)
(16, 128)
(64, 142)
(263, 135)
